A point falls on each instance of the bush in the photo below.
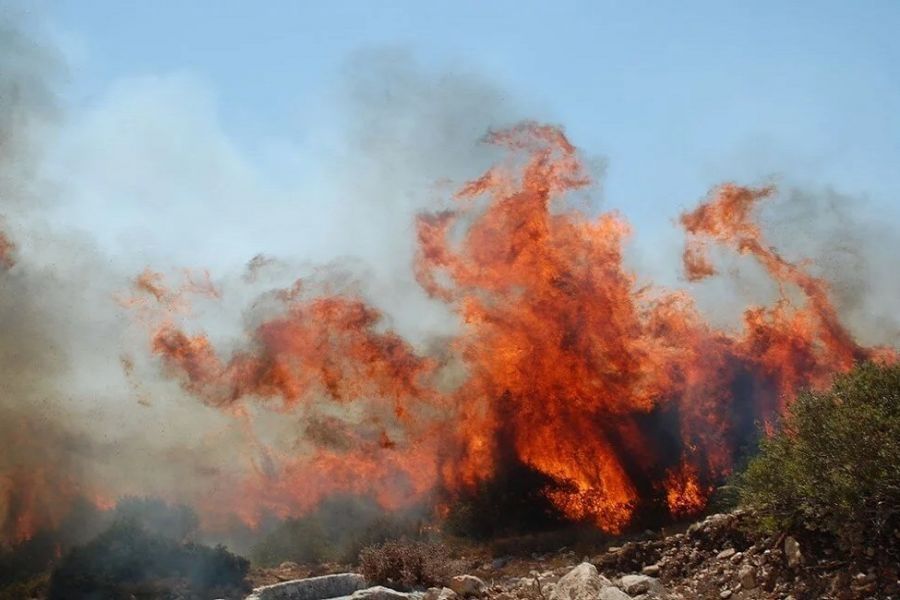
(336, 531)
(175, 521)
(834, 464)
(405, 564)
(125, 561)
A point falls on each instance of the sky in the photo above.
(180, 113)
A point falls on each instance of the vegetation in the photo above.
(335, 532)
(834, 464)
(127, 562)
(405, 564)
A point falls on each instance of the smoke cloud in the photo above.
(147, 175)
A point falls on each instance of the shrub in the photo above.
(125, 561)
(336, 531)
(834, 464)
(405, 564)
(175, 521)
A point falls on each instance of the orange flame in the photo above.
(619, 396)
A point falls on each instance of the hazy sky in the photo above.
(178, 112)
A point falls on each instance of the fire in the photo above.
(622, 398)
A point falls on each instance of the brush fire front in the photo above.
(620, 404)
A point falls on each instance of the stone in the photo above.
(792, 552)
(724, 594)
(613, 593)
(581, 583)
(468, 586)
(651, 570)
(311, 588)
(640, 584)
(439, 594)
(379, 592)
(726, 554)
(747, 577)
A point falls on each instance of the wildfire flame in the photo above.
(620, 396)
(624, 399)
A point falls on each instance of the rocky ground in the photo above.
(714, 558)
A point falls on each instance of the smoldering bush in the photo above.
(126, 561)
(335, 532)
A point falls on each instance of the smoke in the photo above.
(92, 195)
(147, 175)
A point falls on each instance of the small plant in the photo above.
(834, 464)
(405, 564)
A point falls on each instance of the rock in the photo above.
(379, 592)
(792, 552)
(651, 570)
(640, 584)
(581, 583)
(737, 558)
(288, 565)
(499, 563)
(726, 554)
(468, 586)
(311, 588)
(613, 593)
(439, 594)
(725, 594)
(747, 577)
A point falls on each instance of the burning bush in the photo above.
(834, 466)
(404, 564)
(336, 531)
(128, 562)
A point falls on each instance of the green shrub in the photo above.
(126, 562)
(834, 464)
(405, 564)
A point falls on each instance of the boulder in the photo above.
(468, 586)
(641, 584)
(311, 588)
(581, 583)
(613, 593)
(439, 594)
(379, 592)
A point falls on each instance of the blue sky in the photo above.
(676, 97)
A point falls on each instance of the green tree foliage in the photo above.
(834, 464)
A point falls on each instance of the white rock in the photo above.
(613, 593)
(439, 594)
(311, 588)
(581, 583)
(640, 584)
(792, 552)
(379, 592)
(651, 570)
(468, 586)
